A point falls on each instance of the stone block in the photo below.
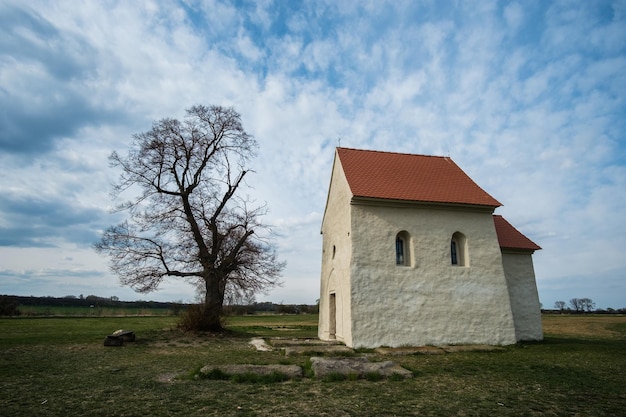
(113, 341)
(356, 366)
(317, 350)
(125, 335)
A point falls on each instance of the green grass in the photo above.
(303, 326)
(58, 366)
(71, 330)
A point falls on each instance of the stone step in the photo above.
(316, 350)
(281, 342)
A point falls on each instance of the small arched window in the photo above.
(453, 252)
(402, 249)
(458, 250)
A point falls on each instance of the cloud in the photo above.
(35, 222)
(43, 71)
(528, 98)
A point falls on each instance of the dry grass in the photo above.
(586, 326)
(51, 367)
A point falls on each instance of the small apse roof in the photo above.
(396, 176)
(511, 238)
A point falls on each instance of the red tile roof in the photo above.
(511, 238)
(407, 177)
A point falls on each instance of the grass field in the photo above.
(96, 311)
(58, 366)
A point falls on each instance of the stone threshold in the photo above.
(436, 350)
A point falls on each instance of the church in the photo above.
(414, 255)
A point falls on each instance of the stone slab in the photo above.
(125, 335)
(292, 371)
(424, 350)
(281, 342)
(356, 366)
(316, 349)
(260, 345)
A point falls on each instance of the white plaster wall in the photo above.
(520, 277)
(430, 302)
(335, 276)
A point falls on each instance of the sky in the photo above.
(528, 98)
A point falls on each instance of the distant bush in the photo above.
(8, 307)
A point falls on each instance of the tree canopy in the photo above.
(187, 218)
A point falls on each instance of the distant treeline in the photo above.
(581, 306)
(596, 311)
(80, 301)
(10, 305)
(271, 308)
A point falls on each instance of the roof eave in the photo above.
(520, 250)
(376, 201)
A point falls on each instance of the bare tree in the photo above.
(587, 304)
(559, 305)
(581, 305)
(187, 219)
(575, 304)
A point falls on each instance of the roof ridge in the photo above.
(410, 177)
(394, 153)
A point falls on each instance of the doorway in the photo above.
(332, 319)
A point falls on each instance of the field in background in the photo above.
(585, 326)
(52, 366)
(95, 311)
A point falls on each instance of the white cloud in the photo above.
(527, 98)
(514, 15)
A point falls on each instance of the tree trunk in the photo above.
(213, 302)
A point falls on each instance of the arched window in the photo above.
(458, 250)
(453, 252)
(402, 249)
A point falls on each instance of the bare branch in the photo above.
(187, 220)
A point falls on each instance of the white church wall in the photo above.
(520, 277)
(336, 252)
(430, 302)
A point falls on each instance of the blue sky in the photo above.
(528, 97)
